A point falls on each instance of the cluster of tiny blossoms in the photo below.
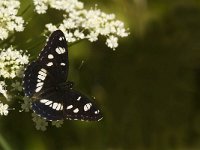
(9, 22)
(79, 23)
(11, 68)
(12, 62)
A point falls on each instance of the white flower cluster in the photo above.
(41, 6)
(9, 22)
(12, 62)
(3, 109)
(3, 89)
(80, 23)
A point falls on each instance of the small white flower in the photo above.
(112, 42)
(3, 109)
(3, 33)
(58, 124)
(40, 123)
(69, 24)
(93, 36)
(40, 6)
(69, 37)
(79, 34)
(51, 27)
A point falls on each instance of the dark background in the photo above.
(148, 89)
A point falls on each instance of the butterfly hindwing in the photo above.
(68, 104)
(79, 107)
(49, 105)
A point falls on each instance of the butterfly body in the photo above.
(45, 82)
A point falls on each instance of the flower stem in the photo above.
(4, 144)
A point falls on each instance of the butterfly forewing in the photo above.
(54, 56)
(36, 79)
(45, 82)
(50, 69)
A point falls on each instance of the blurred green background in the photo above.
(148, 89)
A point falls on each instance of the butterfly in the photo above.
(44, 81)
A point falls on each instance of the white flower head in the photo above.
(3, 109)
(92, 23)
(41, 6)
(112, 42)
(12, 62)
(9, 21)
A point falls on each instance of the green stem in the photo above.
(4, 144)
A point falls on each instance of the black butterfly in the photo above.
(45, 82)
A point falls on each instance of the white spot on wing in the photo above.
(61, 38)
(76, 110)
(78, 99)
(60, 50)
(69, 107)
(44, 70)
(50, 64)
(87, 106)
(59, 106)
(38, 89)
(42, 73)
(39, 84)
(44, 100)
(50, 56)
(41, 77)
(62, 64)
(96, 112)
(48, 103)
(55, 105)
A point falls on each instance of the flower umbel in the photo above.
(80, 23)
(12, 62)
(90, 24)
(9, 21)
